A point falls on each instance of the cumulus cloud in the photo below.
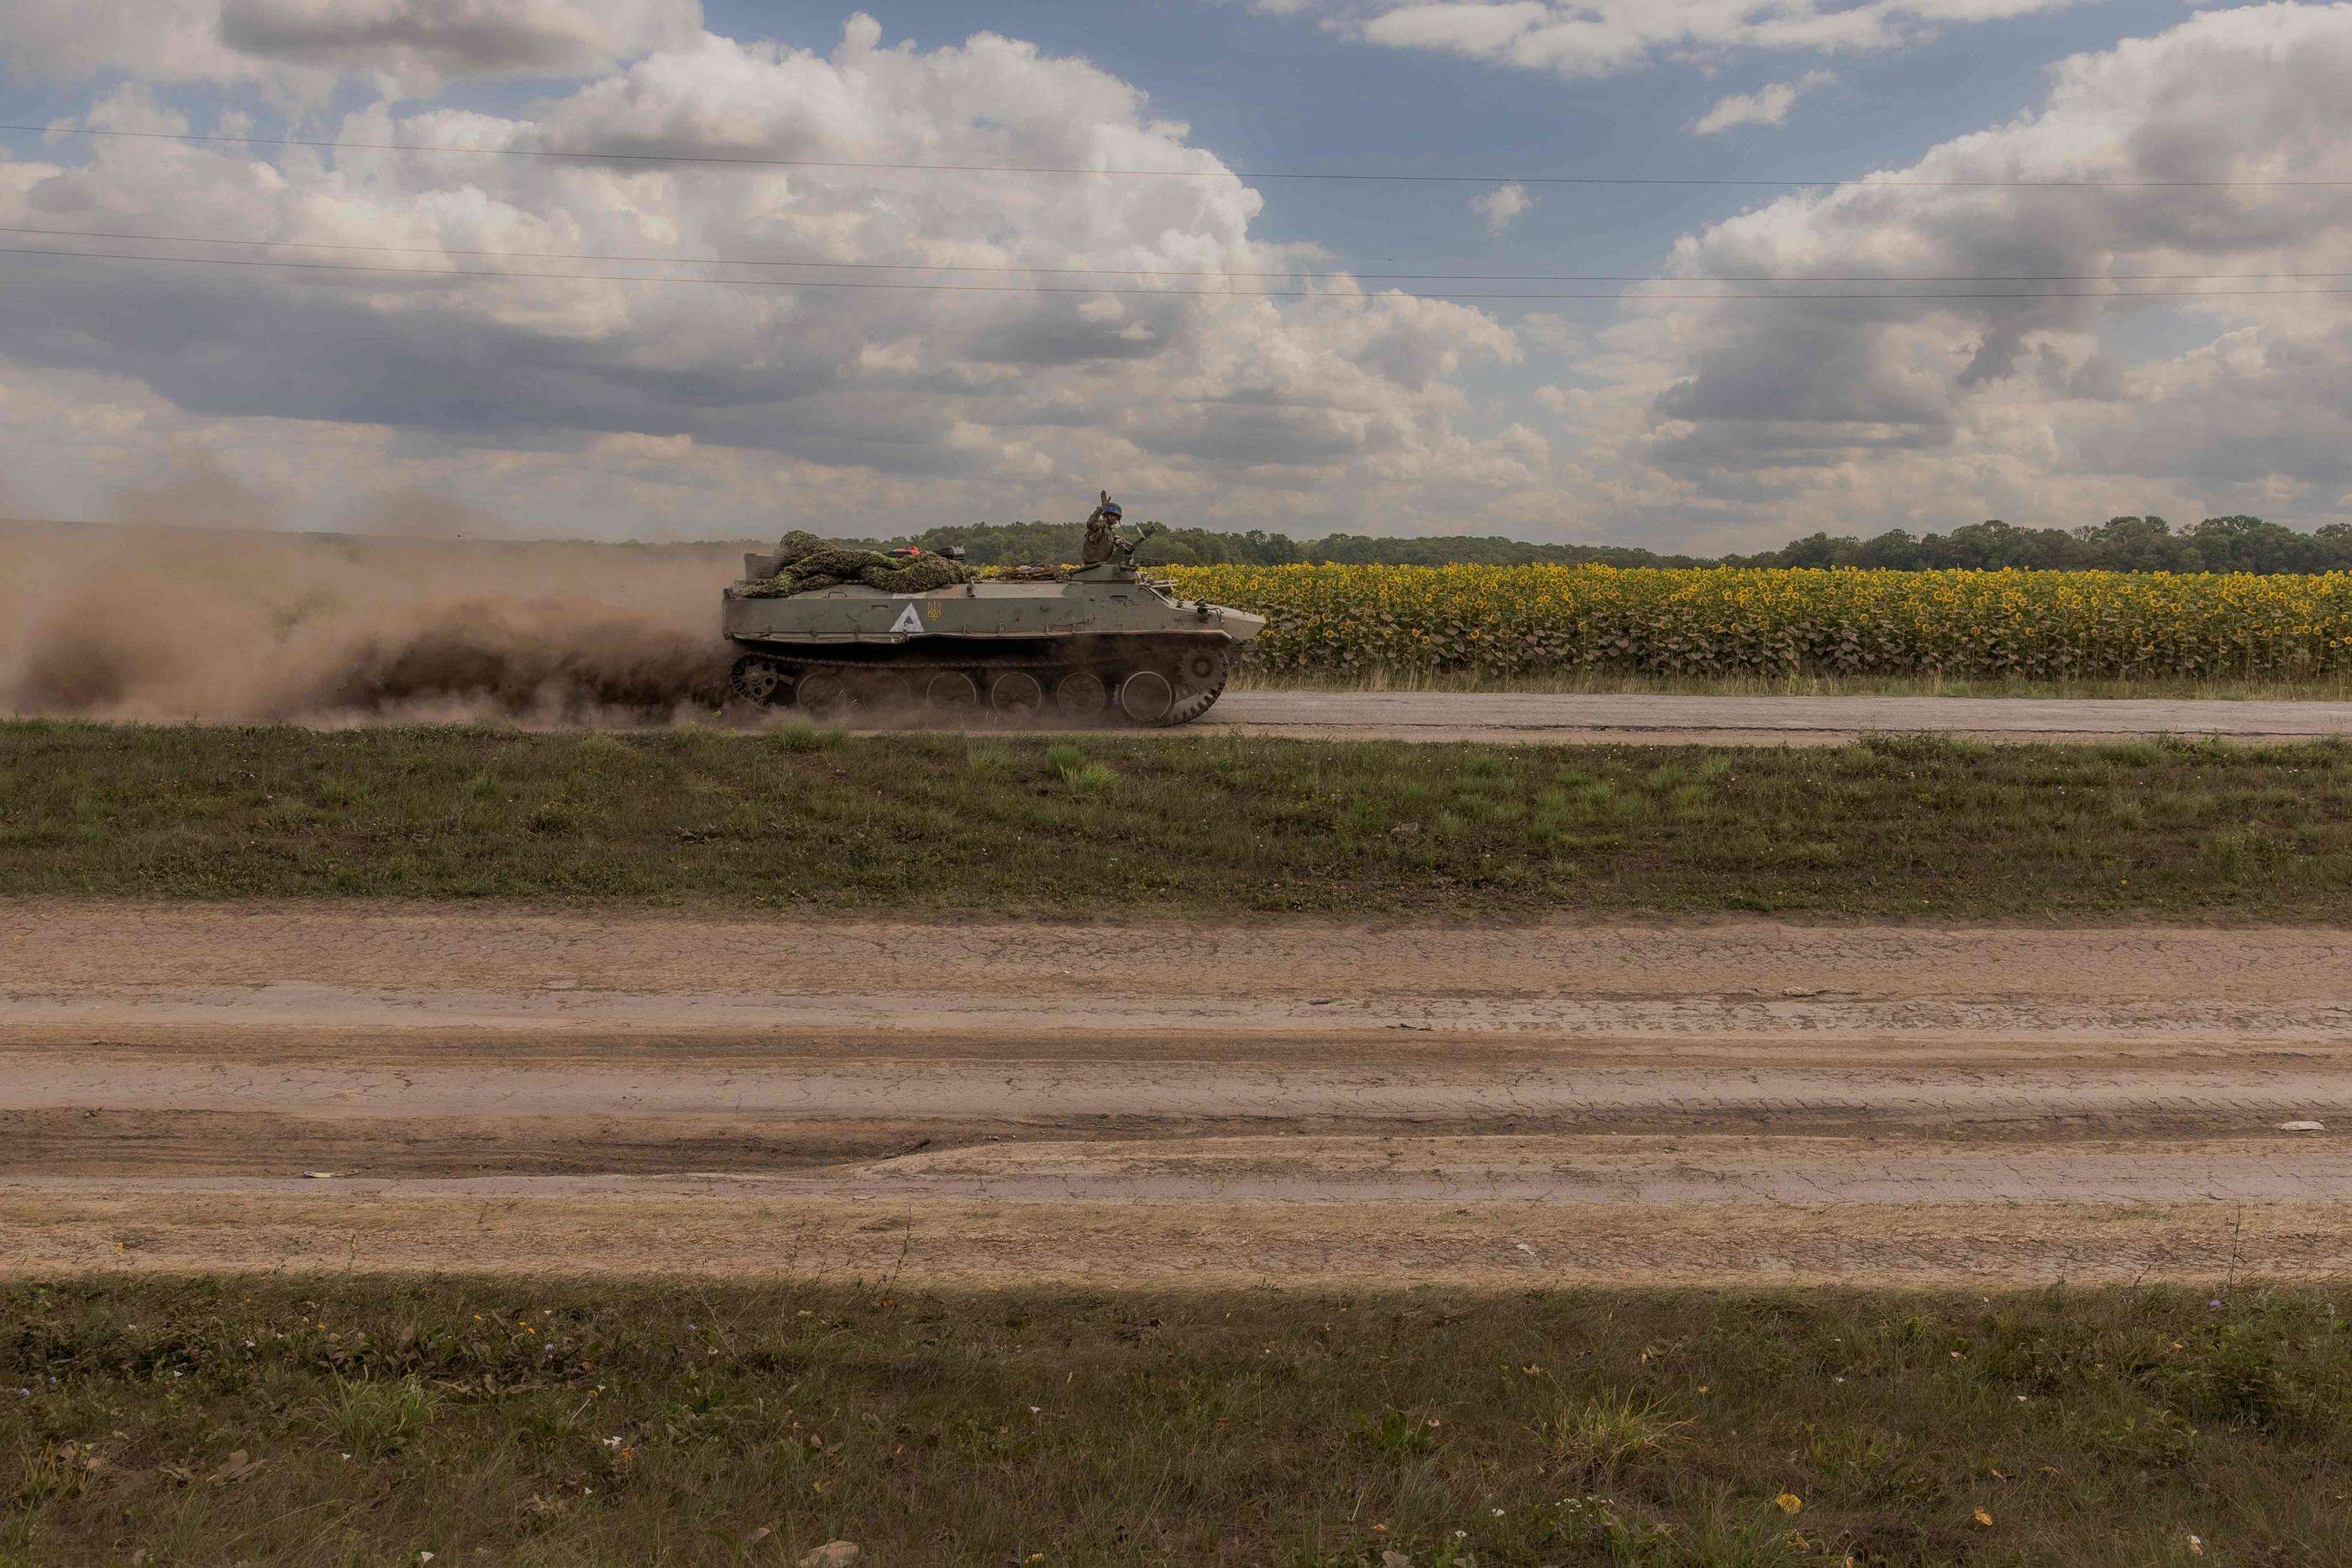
(303, 46)
(1502, 206)
(1767, 106)
(933, 375)
(708, 409)
(1600, 37)
(1977, 406)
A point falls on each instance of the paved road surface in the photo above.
(1748, 720)
(1167, 1101)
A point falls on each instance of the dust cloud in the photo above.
(129, 620)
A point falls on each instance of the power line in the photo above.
(593, 155)
(1179, 272)
(328, 266)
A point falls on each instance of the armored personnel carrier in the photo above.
(1094, 643)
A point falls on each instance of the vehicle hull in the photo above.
(1101, 643)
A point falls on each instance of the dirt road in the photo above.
(1752, 720)
(1292, 1101)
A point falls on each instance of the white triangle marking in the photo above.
(908, 622)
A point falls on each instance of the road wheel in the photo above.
(952, 689)
(821, 692)
(756, 680)
(1147, 697)
(1080, 696)
(1016, 692)
(887, 694)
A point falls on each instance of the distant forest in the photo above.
(2119, 544)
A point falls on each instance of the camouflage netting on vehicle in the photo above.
(806, 562)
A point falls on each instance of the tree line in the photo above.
(2119, 544)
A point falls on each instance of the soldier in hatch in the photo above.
(1102, 531)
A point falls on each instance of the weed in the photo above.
(1399, 1433)
(799, 736)
(1071, 766)
(1598, 1434)
(2148, 1438)
(2248, 850)
(598, 748)
(369, 1419)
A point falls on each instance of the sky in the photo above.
(1698, 275)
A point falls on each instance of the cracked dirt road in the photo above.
(1156, 1103)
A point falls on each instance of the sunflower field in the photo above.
(1729, 620)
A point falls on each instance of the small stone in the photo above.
(2302, 1126)
(832, 1554)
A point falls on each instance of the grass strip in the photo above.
(348, 1421)
(811, 819)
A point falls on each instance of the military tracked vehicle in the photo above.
(1093, 643)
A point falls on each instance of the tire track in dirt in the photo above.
(1287, 1100)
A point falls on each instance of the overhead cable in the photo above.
(783, 283)
(593, 154)
(675, 259)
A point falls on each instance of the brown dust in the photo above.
(124, 622)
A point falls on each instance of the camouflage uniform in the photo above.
(1101, 535)
(804, 561)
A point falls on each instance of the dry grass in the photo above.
(690, 1424)
(1601, 1432)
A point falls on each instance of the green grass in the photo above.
(211, 1422)
(371, 1417)
(811, 819)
